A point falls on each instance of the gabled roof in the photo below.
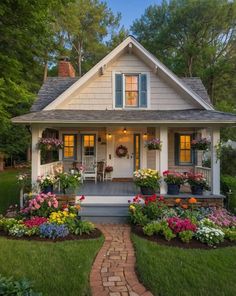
(129, 41)
(55, 86)
(127, 116)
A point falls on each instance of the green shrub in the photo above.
(159, 227)
(136, 215)
(20, 288)
(230, 234)
(186, 236)
(152, 228)
(81, 227)
(228, 184)
(228, 161)
(7, 223)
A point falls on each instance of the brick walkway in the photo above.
(113, 272)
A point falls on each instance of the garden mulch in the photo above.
(113, 271)
(93, 235)
(176, 242)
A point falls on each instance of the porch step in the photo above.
(105, 212)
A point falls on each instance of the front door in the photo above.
(89, 152)
(124, 166)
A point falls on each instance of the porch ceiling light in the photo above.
(109, 135)
(124, 130)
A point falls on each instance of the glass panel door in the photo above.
(89, 152)
(137, 151)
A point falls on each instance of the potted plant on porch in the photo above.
(198, 183)
(46, 183)
(173, 180)
(68, 181)
(147, 180)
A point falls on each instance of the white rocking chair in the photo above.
(90, 168)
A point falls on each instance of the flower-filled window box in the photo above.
(153, 144)
(50, 144)
(200, 144)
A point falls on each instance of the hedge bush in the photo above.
(228, 183)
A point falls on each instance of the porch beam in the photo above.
(163, 156)
(215, 163)
(36, 155)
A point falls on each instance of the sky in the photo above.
(130, 9)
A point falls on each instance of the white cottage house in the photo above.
(126, 99)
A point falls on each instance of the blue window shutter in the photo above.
(177, 148)
(143, 90)
(118, 90)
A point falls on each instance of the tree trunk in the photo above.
(190, 66)
(79, 58)
(45, 73)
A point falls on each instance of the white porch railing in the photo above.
(49, 168)
(206, 172)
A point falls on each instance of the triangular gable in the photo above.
(129, 42)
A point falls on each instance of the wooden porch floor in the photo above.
(108, 188)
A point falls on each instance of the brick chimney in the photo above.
(65, 69)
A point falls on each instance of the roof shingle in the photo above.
(120, 116)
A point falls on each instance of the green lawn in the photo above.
(54, 268)
(9, 189)
(168, 271)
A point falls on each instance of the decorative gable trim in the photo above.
(112, 55)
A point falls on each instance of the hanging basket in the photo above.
(121, 151)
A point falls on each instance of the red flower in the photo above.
(82, 198)
(161, 198)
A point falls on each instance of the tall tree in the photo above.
(194, 38)
(25, 32)
(84, 25)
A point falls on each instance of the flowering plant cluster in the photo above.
(173, 177)
(200, 143)
(50, 144)
(147, 178)
(197, 180)
(45, 218)
(210, 235)
(23, 179)
(46, 180)
(153, 144)
(178, 224)
(42, 205)
(222, 218)
(208, 225)
(35, 221)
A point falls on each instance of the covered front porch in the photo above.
(99, 144)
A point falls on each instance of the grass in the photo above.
(9, 189)
(54, 268)
(182, 272)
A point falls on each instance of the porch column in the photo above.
(215, 163)
(36, 157)
(157, 135)
(163, 156)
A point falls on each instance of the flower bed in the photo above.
(43, 219)
(185, 225)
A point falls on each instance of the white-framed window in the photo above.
(131, 90)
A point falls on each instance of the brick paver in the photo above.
(113, 272)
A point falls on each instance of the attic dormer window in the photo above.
(131, 90)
